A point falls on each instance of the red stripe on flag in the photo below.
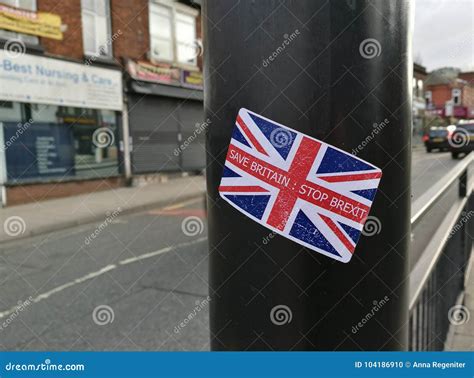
(250, 136)
(242, 189)
(299, 170)
(356, 177)
(333, 226)
(301, 188)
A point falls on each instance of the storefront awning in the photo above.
(164, 90)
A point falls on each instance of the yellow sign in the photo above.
(29, 22)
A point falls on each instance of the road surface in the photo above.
(140, 283)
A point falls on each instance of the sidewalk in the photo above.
(46, 216)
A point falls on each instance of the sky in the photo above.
(444, 34)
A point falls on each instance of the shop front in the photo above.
(59, 128)
(167, 129)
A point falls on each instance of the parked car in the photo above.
(436, 138)
(461, 140)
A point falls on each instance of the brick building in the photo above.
(450, 94)
(83, 80)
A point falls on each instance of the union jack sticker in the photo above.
(297, 186)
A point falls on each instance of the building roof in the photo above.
(419, 68)
(447, 75)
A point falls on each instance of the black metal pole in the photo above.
(342, 76)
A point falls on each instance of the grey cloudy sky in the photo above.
(444, 33)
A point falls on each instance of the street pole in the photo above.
(343, 76)
(127, 159)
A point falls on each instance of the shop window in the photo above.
(44, 113)
(456, 96)
(10, 111)
(96, 28)
(58, 142)
(173, 33)
(26, 38)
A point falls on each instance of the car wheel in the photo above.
(428, 149)
(454, 154)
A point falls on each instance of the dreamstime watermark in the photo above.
(351, 4)
(14, 226)
(108, 220)
(200, 305)
(460, 138)
(270, 236)
(465, 217)
(281, 315)
(288, 38)
(20, 307)
(103, 137)
(372, 226)
(21, 128)
(103, 315)
(192, 50)
(376, 129)
(200, 127)
(281, 137)
(377, 305)
(14, 48)
(44, 366)
(104, 47)
(370, 48)
(192, 226)
(458, 315)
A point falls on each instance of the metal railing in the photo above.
(439, 267)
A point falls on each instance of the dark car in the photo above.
(436, 138)
(462, 139)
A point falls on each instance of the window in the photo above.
(428, 97)
(63, 142)
(161, 33)
(186, 38)
(456, 96)
(7, 34)
(420, 87)
(96, 28)
(173, 33)
(10, 111)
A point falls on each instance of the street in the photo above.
(143, 266)
(139, 283)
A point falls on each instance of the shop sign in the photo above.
(191, 79)
(42, 24)
(460, 111)
(161, 74)
(435, 112)
(34, 79)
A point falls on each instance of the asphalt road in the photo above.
(427, 169)
(130, 287)
(149, 273)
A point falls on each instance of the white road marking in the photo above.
(102, 271)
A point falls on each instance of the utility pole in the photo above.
(127, 159)
(341, 72)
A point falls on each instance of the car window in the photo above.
(469, 127)
(438, 133)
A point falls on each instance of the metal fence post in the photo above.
(345, 78)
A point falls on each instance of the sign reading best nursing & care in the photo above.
(35, 79)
